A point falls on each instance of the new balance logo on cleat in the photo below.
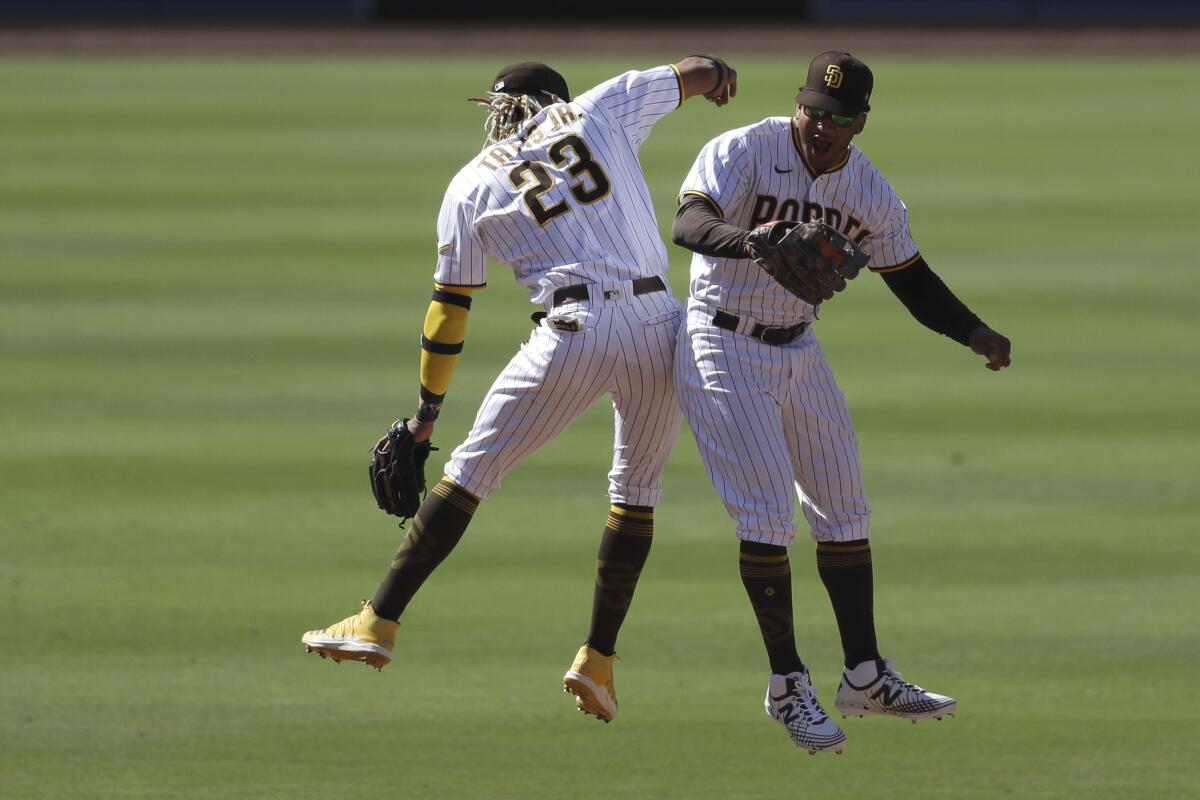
(881, 694)
(792, 702)
(875, 687)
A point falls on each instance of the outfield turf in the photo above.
(212, 275)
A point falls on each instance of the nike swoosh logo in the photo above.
(782, 171)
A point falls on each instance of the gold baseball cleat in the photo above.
(590, 679)
(364, 637)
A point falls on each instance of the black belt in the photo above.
(765, 334)
(580, 290)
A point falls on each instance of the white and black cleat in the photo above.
(792, 702)
(875, 687)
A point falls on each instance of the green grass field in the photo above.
(212, 275)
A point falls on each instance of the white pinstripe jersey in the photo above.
(565, 201)
(757, 174)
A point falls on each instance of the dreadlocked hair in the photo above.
(506, 113)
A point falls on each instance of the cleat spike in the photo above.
(914, 722)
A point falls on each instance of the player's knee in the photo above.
(846, 529)
(782, 535)
(472, 485)
(768, 537)
(457, 488)
(630, 522)
(637, 498)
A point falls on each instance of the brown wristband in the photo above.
(722, 71)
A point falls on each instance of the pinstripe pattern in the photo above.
(771, 423)
(614, 238)
(756, 174)
(625, 345)
(624, 350)
(771, 426)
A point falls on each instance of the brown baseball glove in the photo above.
(398, 471)
(812, 260)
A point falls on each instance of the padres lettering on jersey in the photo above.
(544, 203)
(757, 174)
(767, 207)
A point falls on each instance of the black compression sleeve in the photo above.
(929, 300)
(699, 228)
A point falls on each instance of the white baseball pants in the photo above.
(772, 425)
(624, 348)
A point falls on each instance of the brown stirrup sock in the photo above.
(440, 523)
(624, 547)
(767, 576)
(845, 569)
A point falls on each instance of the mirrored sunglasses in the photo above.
(820, 113)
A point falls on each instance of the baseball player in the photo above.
(557, 194)
(769, 419)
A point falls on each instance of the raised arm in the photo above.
(709, 77)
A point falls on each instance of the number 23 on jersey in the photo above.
(590, 184)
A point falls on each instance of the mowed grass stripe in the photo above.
(212, 276)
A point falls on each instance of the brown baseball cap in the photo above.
(531, 77)
(838, 83)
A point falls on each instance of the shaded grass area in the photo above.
(212, 273)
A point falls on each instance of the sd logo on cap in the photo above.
(838, 83)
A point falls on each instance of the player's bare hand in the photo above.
(995, 347)
(708, 77)
(421, 431)
(726, 91)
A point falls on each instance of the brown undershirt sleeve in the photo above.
(699, 227)
(932, 303)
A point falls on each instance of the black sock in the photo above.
(845, 569)
(432, 534)
(624, 547)
(767, 576)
